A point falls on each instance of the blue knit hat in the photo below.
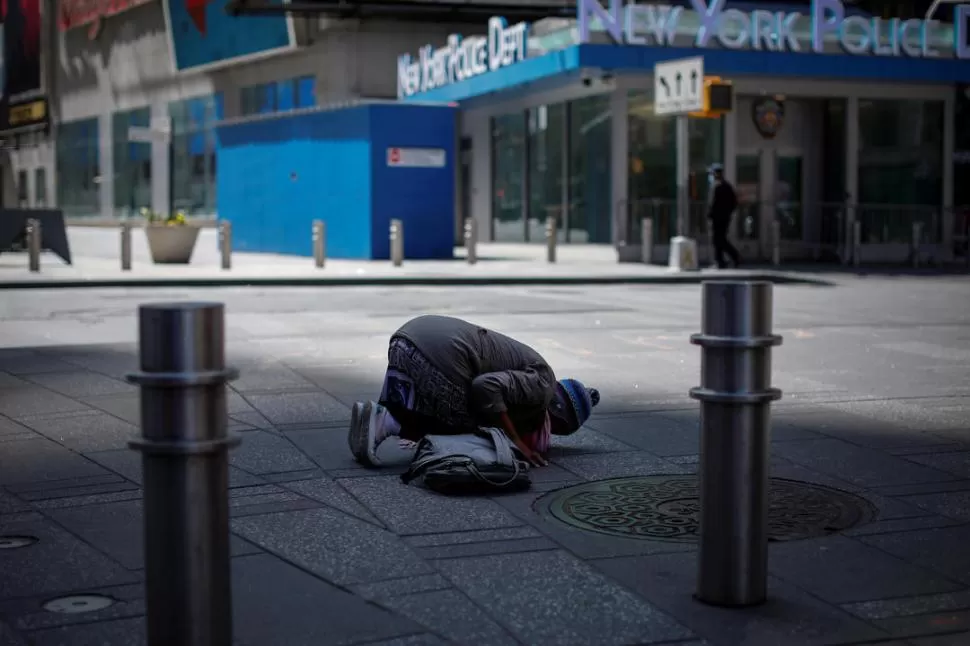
(580, 399)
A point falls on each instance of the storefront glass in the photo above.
(132, 163)
(193, 153)
(278, 96)
(652, 180)
(545, 167)
(78, 168)
(590, 158)
(509, 149)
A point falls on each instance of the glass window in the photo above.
(306, 92)
(285, 95)
(23, 199)
(590, 176)
(901, 152)
(40, 187)
(132, 163)
(508, 165)
(78, 168)
(193, 153)
(546, 142)
(652, 183)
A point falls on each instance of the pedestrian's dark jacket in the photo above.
(724, 202)
(500, 373)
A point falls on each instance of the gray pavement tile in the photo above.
(81, 384)
(790, 616)
(618, 465)
(117, 529)
(954, 639)
(398, 587)
(128, 463)
(251, 418)
(126, 407)
(925, 625)
(452, 615)
(10, 504)
(237, 404)
(957, 463)
(924, 488)
(114, 360)
(79, 493)
(57, 562)
(91, 432)
(330, 493)
(486, 548)
(333, 545)
(39, 459)
(942, 549)
(326, 446)
(653, 432)
(586, 440)
(860, 466)
(293, 476)
(121, 609)
(8, 380)
(275, 603)
(907, 606)
(132, 493)
(843, 570)
(10, 427)
(859, 429)
(8, 637)
(902, 525)
(269, 376)
(41, 487)
(552, 597)
(409, 509)
(26, 362)
(300, 408)
(121, 632)
(25, 402)
(264, 452)
(479, 536)
(952, 504)
(949, 447)
(411, 640)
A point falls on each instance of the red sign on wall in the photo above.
(77, 13)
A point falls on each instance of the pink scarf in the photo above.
(540, 440)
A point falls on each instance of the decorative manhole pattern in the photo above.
(14, 542)
(78, 603)
(666, 508)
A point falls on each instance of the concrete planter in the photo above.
(171, 245)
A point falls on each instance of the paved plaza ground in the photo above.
(875, 421)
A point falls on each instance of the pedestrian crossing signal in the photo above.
(717, 99)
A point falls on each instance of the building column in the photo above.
(851, 163)
(161, 150)
(620, 162)
(106, 167)
(729, 130)
(949, 135)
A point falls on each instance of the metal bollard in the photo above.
(33, 244)
(551, 238)
(225, 243)
(184, 446)
(776, 243)
(646, 241)
(397, 242)
(319, 243)
(856, 243)
(471, 240)
(917, 240)
(735, 396)
(125, 246)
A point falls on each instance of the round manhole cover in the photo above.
(666, 508)
(13, 542)
(78, 603)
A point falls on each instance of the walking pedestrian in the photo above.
(723, 204)
(447, 376)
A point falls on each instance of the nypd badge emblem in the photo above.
(768, 114)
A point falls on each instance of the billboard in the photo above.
(23, 103)
(203, 35)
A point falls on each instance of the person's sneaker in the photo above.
(367, 431)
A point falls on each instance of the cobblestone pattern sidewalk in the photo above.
(327, 552)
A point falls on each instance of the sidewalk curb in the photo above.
(684, 278)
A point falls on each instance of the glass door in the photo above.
(748, 189)
(788, 198)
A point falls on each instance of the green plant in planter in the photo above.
(156, 218)
(171, 238)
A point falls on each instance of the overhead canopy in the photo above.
(474, 11)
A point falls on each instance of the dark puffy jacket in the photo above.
(724, 202)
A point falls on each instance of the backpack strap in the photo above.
(503, 448)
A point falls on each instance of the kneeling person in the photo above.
(447, 376)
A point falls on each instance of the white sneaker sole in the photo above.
(360, 434)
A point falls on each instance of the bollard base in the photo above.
(730, 603)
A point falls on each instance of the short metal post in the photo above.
(225, 243)
(184, 446)
(917, 239)
(551, 238)
(33, 244)
(471, 240)
(646, 241)
(856, 243)
(735, 395)
(397, 242)
(319, 243)
(125, 246)
(776, 243)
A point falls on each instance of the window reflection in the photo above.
(132, 163)
(194, 153)
(546, 141)
(278, 96)
(508, 164)
(78, 167)
(590, 176)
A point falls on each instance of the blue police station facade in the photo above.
(834, 113)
